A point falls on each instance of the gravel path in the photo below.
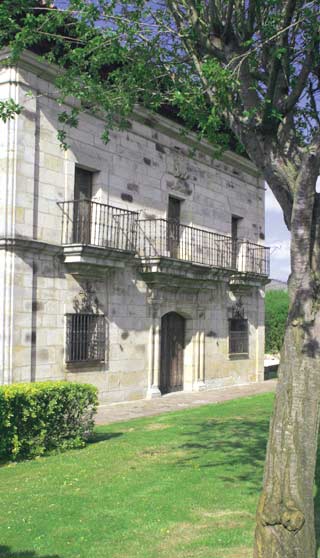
(116, 412)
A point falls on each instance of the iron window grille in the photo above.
(85, 338)
(238, 336)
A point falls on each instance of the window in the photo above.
(82, 206)
(82, 184)
(86, 338)
(235, 237)
(238, 336)
(173, 231)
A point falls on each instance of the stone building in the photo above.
(137, 266)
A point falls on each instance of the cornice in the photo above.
(33, 63)
(171, 129)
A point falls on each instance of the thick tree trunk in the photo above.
(285, 516)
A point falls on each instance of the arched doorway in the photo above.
(172, 352)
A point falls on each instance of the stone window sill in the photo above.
(238, 356)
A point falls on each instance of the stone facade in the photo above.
(46, 275)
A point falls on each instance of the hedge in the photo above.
(276, 312)
(42, 416)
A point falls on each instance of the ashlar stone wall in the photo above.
(137, 170)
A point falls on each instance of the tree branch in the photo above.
(250, 19)
(227, 27)
(303, 208)
(314, 104)
(296, 92)
(192, 18)
(272, 166)
(179, 20)
(215, 19)
(276, 66)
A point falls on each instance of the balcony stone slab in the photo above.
(243, 282)
(171, 273)
(89, 259)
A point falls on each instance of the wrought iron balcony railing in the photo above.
(92, 223)
(170, 239)
(160, 237)
(253, 258)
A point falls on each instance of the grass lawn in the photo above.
(181, 485)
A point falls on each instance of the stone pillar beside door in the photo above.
(199, 367)
(153, 390)
(195, 352)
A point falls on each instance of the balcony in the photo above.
(253, 259)
(176, 254)
(96, 235)
(172, 253)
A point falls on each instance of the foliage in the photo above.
(9, 109)
(110, 64)
(276, 314)
(42, 416)
(239, 67)
(177, 485)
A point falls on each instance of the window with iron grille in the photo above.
(238, 336)
(85, 338)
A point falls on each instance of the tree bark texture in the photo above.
(285, 515)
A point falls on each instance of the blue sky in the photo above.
(278, 238)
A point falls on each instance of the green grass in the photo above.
(181, 485)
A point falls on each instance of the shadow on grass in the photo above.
(5, 552)
(236, 447)
(97, 437)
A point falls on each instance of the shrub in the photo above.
(42, 416)
(276, 308)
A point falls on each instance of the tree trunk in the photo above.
(285, 515)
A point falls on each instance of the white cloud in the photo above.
(278, 237)
(280, 271)
(280, 250)
(280, 259)
(271, 202)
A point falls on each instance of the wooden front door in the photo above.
(173, 234)
(82, 206)
(172, 352)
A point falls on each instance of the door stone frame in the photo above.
(194, 351)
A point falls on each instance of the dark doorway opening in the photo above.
(82, 206)
(173, 232)
(172, 352)
(235, 238)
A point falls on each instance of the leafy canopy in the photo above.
(249, 66)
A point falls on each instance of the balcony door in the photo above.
(173, 231)
(172, 352)
(82, 206)
(235, 238)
